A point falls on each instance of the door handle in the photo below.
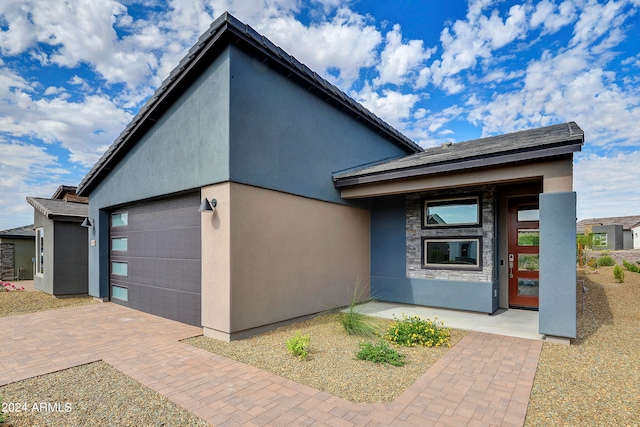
(511, 258)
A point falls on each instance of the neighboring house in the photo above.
(613, 233)
(16, 253)
(304, 195)
(61, 264)
(635, 236)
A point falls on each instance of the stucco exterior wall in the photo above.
(44, 282)
(286, 139)
(288, 257)
(558, 264)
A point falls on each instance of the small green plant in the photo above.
(631, 267)
(413, 331)
(592, 262)
(606, 261)
(380, 352)
(618, 273)
(353, 321)
(605, 252)
(299, 345)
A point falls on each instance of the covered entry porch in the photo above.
(477, 226)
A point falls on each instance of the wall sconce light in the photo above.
(207, 205)
(86, 223)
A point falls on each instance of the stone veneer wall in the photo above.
(487, 230)
(7, 261)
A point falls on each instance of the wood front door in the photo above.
(524, 256)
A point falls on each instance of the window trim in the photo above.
(40, 251)
(464, 267)
(476, 198)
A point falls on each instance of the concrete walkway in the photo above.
(483, 380)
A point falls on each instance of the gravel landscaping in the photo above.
(593, 382)
(95, 394)
(331, 365)
(596, 380)
(20, 302)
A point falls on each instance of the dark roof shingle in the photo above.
(59, 209)
(24, 232)
(517, 146)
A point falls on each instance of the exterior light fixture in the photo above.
(86, 223)
(207, 206)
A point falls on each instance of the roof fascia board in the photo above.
(458, 165)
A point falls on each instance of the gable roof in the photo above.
(498, 150)
(627, 222)
(224, 31)
(24, 232)
(59, 209)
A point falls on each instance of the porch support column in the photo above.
(558, 264)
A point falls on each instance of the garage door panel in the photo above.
(169, 243)
(178, 274)
(165, 303)
(159, 265)
(163, 214)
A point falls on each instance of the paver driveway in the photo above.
(483, 380)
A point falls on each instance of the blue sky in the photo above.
(73, 73)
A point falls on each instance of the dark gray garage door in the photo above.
(155, 257)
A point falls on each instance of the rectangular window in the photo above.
(119, 219)
(463, 212)
(600, 240)
(40, 251)
(120, 268)
(528, 237)
(528, 213)
(452, 253)
(119, 292)
(119, 243)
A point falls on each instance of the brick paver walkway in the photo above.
(483, 380)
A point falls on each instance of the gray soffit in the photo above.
(528, 145)
(225, 31)
(59, 209)
(24, 232)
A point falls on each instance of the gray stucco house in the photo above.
(612, 233)
(16, 253)
(249, 192)
(61, 263)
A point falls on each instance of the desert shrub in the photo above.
(606, 261)
(592, 262)
(413, 331)
(380, 352)
(353, 321)
(631, 267)
(618, 273)
(605, 252)
(299, 345)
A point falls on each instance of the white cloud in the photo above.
(552, 17)
(27, 170)
(398, 60)
(392, 106)
(85, 128)
(474, 38)
(346, 43)
(605, 185)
